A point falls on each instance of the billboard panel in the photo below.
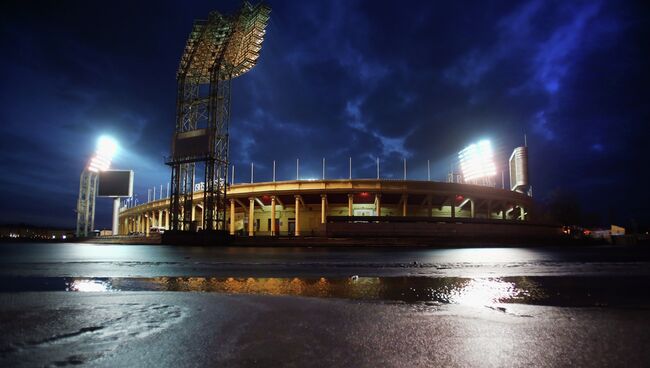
(115, 183)
(192, 144)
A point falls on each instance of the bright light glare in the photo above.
(482, 292)
(106, 147)
(477, 161)
(89, 286)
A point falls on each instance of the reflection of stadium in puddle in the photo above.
(363, 288)
(578, 291)
(449, 290)
(407, 289)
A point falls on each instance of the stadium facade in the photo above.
(347, 207)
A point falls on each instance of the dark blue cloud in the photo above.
(336, 79)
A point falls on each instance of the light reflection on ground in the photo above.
(89, 285)
(475, 292)
(538, 290)
(480, 292)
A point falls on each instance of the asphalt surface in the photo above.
(152, 306)
(154, 329)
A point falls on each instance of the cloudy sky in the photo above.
(336, 79)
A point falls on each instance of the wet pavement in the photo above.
(97, 305)
(160, 329)
(88, 260)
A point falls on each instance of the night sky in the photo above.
(394, 80)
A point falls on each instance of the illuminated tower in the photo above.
(217, 50)
(101, 161)
(519, 181)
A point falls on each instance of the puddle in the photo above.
(539, 290)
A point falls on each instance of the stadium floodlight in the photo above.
(106, 149)
(218, 50)
(477, 161)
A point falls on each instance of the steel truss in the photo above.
(86, 203)
(218, 50)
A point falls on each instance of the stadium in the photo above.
(356, 208)
(221, 48)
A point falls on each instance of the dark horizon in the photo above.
(335, 80)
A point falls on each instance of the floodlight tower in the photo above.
(218, 49)
(101, 161)
(477, 163)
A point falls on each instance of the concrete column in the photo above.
(297, 215)
(160, 218)
(273, 230)
(146, 224)
(323, 208)
(232, 216)
(138, 224)
(167, 219)
(350, 203)
(378, 204)
(193, 212)
(472, 210)
(116, 216)
(251, 217)
(522, 215)
(125, 229)
(404, 205)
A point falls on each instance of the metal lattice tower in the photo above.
(86, 203)
(218, 50)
